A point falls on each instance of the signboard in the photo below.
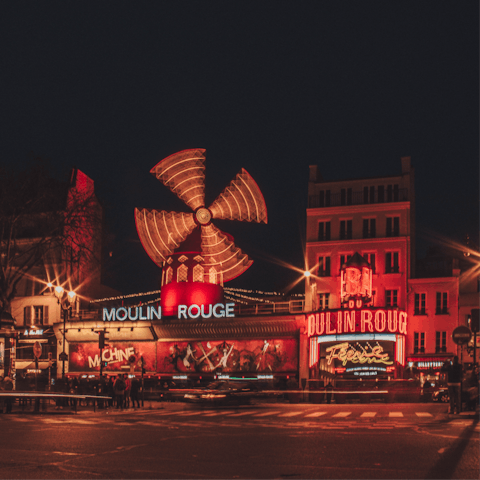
(219, 310)
(461, 335)
(371, 320)
(359, 358)
(85, 357)
(37, 349)
(230, 356)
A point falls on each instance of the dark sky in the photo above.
(270, 86)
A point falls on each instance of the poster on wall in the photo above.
(85, 357)
(230, 356)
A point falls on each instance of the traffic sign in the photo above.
(461, 335)
(37, 349)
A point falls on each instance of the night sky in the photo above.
(271, 86)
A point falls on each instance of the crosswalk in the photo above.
(294, 414)
(317, 416)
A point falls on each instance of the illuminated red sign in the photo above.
(338, 322)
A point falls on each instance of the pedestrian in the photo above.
(454, 383)
(8, 387)
(127, 392)
(328, 392)
(471, 387)
(110, 391)
(119, 388)
(134, 390)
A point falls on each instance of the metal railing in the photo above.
(356, 198)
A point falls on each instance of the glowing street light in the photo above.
(66, 308)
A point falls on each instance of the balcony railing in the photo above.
(357, 198)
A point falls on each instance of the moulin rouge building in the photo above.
(372, 316)
(365, 315)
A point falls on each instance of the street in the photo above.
(259, 441)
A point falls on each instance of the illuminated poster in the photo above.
(359, 357)
(84, 357)
(229, 356)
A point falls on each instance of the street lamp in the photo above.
(66, 308)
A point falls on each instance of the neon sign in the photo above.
(346, 352)
(361, 321)
(27, 333)
(219, 310)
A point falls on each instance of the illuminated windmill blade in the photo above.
(184, 174)
(162, 232)
(221, 256)
(241, 200)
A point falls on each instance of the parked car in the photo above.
(225, 393)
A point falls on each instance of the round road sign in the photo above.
(461, 335)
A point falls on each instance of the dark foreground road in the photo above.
(265, 441)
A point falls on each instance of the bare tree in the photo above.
(46, 225)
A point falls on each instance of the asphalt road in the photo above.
(264, 441)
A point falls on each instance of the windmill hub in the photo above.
(203, 216)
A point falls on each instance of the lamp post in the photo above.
(59, 293)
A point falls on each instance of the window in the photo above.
(346, 196)
(391, 262)
(392, 193)
(198, 273)
(169, 275)
(369, 227)
(440, 342)
(324, 198)
(323, 267)
(323, 301)
(323, 231)
(381, 194)
(391, 298)
(442, 307)
(420, 300)
(370, 258)
(419, 342)
(393, 227)
(212, 275)
(182, 273)
(345, 229)
(35, 315)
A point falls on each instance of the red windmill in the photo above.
(196, 256)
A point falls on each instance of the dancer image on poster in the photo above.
(262, 353)
(190, 353)
(226, 354)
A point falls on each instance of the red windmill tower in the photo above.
(197, 258)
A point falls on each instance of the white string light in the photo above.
(122, 297)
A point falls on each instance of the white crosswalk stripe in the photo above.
(423, 414)
(241, 414)
(266, 414)
(290, 414)
(342, 414)
(316, 414)
(395, 414)
(368, 414)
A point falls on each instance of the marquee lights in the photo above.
(219, 310)
(345, 352)
(352, 321)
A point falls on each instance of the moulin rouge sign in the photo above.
(219, 310)
(364, 320)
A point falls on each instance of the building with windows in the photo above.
(74, 263)
(374, 219)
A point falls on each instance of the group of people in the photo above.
(125, 390)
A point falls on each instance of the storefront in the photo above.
(357, 342)
(186, 350)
